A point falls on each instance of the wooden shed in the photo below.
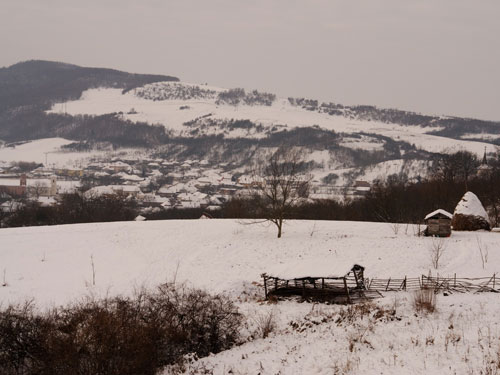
(438, 223)
(316, 279)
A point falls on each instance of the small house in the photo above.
(316, 279)
(438, 223)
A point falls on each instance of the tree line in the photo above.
(71, 209)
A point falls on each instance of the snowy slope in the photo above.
(34, 151)
(173, 113)
(48, 149)
(52, 264)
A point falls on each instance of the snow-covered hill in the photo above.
(53, 265)
(195, 110)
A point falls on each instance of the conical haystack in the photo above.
(470, 214)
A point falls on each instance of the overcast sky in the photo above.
(431, 56)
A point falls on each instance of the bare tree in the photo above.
(279, 186)
(436, 250)
(37, 189)
(460, 166)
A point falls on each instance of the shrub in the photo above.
(118, 336)
(23, 341)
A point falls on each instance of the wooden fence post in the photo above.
(494, 281)
(347, 291)
(265, 285)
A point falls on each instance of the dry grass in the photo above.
(424, 300)
(266, 324)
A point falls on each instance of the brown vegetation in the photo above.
(469, 222)
(424, 300)
(119, 336)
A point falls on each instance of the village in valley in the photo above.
(155, 184)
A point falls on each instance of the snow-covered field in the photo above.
(172, 113)
(53, 265)
(220, 255)
(45, 150)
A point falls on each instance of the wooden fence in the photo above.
(462, 284)
(451, 284)
(393, 284)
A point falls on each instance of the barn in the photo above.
(316, 279)
(438, 223)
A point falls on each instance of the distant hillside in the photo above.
(43, 99)
(42, 82)
(28, 88)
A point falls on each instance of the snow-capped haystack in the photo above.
(140, 218)
(470, 214)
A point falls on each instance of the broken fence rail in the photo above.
(462, 284)
(455, 284)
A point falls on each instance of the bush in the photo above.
(75, 208)
(23, 339)
(121, 336)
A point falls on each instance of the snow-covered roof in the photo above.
(439, 211)
(140, 218)
(129, 177)
(166, 204)
(171, 189)
(112, 189)
(213, 208)
(314, 267)
(101, 174)
(119, 164)
(99, 190)
(471, 205)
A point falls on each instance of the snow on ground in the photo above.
(47, 149)
(363, 143)
(220, 255)
(481, 136)
(380, 171)
(53, 265)
(169, 113)
(462, 337)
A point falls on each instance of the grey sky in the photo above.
(431, 56)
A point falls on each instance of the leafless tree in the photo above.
(460, 166)
(37, 189)
(437, 249)
(279, 184)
